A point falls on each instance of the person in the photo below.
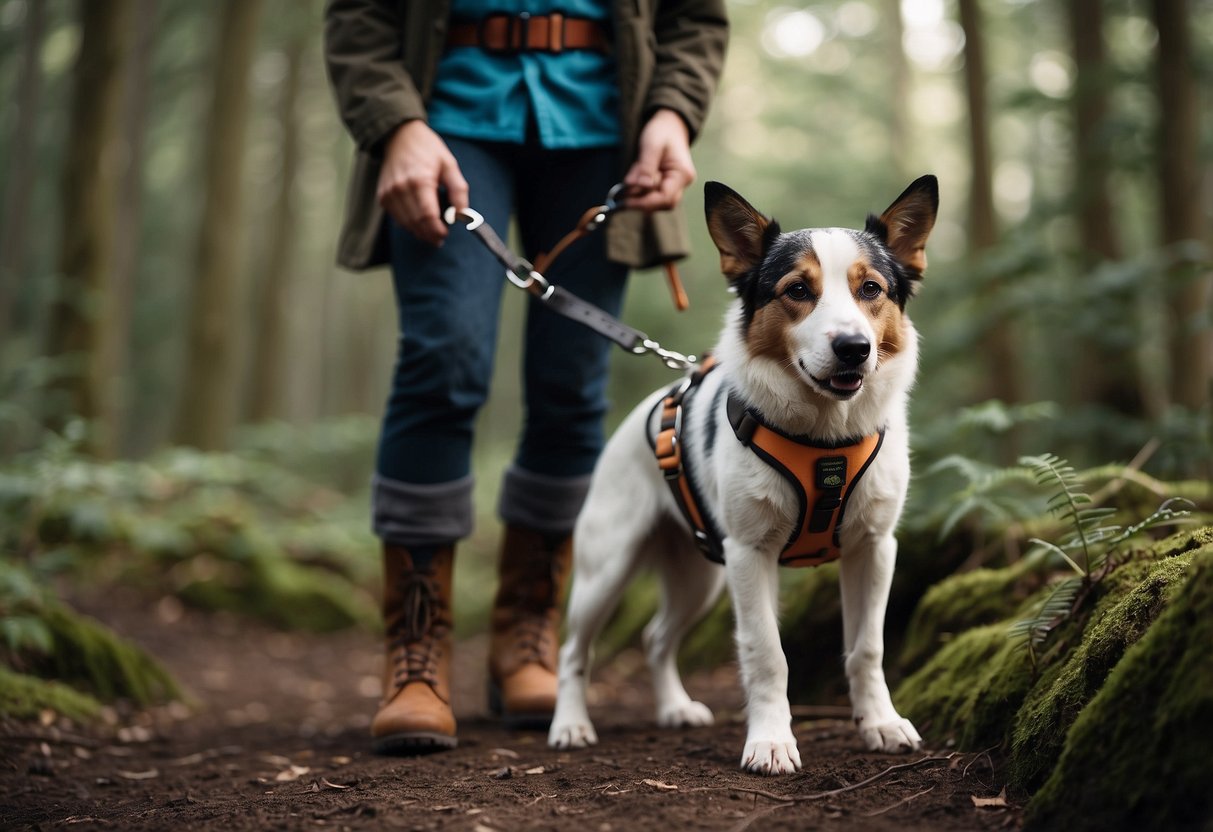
(533, 109)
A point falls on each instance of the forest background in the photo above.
(174, 177)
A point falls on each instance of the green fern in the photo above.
(1085, 548)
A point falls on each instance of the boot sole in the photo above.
(413, 744)
(516, 721)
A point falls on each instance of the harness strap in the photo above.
(824, 477)
(667, 446)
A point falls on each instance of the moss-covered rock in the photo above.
(26, 697)
(1138, 755)
(90, 656)
(1134, 596)
(963, 601)
(1111, 716)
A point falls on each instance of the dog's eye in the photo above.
(798, 291)
(870, 289)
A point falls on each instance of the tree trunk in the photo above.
(211, 385)
(128, 219)
(1190, 287)
(998, 343)
(21, 168)
(899, 104)
(1107, 376)
(270, 328)
(81, 331)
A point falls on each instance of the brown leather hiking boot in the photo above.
(533, 572)
(415, 716)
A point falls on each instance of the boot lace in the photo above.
(418, 632)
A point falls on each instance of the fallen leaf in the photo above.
(504, 752)
(341, 761)
(138, 775)
(535, 770)
(657, 784)
(332, 785)
(502, 773)
(291, 774)
(990, 802)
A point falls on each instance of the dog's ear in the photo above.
(741, 233)
(906, 224)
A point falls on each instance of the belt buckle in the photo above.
(517, 33)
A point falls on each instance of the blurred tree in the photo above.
(1107, 375)
(998, 343)
(1191, 341)
(18, 192)
(81, 329)
(899, 100)
(128, 218)
(269, 358)
(210, 389)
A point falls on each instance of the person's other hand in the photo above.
(416, 162)
(663, 166)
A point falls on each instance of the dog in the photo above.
(816, 353)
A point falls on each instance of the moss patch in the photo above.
(1138, 754)
(1137, 592)
(26, 697)
(88, 655)
(970, 599)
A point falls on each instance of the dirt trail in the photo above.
(278, 739)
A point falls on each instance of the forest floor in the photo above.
(276, 737)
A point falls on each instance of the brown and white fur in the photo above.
(819, 343)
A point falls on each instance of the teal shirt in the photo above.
(573, 96)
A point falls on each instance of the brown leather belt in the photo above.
(507, 34)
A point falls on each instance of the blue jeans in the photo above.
(449, 301)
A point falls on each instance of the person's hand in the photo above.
(416, 162)
(663, 167)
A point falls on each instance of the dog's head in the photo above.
(828, 304)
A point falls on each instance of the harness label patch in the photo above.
(832, 472)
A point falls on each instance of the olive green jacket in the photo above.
(382, 56)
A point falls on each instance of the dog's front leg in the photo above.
(770, 747)
(865, 574)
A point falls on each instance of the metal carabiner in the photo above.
(671, 359)
(609, 206)
(529, 279)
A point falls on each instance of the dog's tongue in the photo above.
(846, 381)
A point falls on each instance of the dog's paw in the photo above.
(687, 715)
(770, 757)
(572, 735)
(893, 737)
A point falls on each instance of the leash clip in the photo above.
(670, 358)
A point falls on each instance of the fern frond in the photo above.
(1057, 550)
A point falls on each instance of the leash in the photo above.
(529, 277)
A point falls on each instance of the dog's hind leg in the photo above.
(690, 586)
(865, 575)
(607, 553)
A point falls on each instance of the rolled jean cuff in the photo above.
(407, 514)
(541, 502)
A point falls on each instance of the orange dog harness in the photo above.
(823, 475)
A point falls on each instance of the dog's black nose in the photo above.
(852, 350)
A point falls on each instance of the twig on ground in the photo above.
(778, 798)
(978, 756)
(902, 767)
(901, 802)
